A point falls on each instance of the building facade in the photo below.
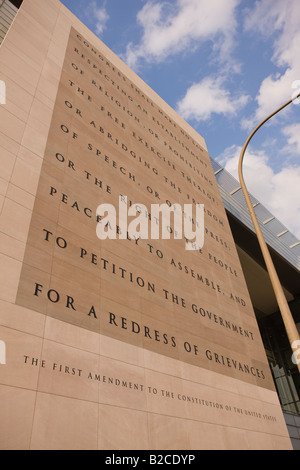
(125, 343)
(285, 250)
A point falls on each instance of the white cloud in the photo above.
(209, 97)
(99, 15)
(278, 192)
(293, 134)
(278, 19)
(172, 27)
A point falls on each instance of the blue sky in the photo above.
(223, 65)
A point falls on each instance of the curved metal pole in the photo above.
(284, 308)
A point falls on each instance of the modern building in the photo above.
(125, 344)
(285, 250)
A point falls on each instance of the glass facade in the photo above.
(278, 349)
(8, 11)
(286, 248)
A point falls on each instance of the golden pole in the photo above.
(284, 308)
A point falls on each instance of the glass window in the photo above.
(285, 373)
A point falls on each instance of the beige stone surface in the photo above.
(105, 346)
(62, 423)
(15, 432)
